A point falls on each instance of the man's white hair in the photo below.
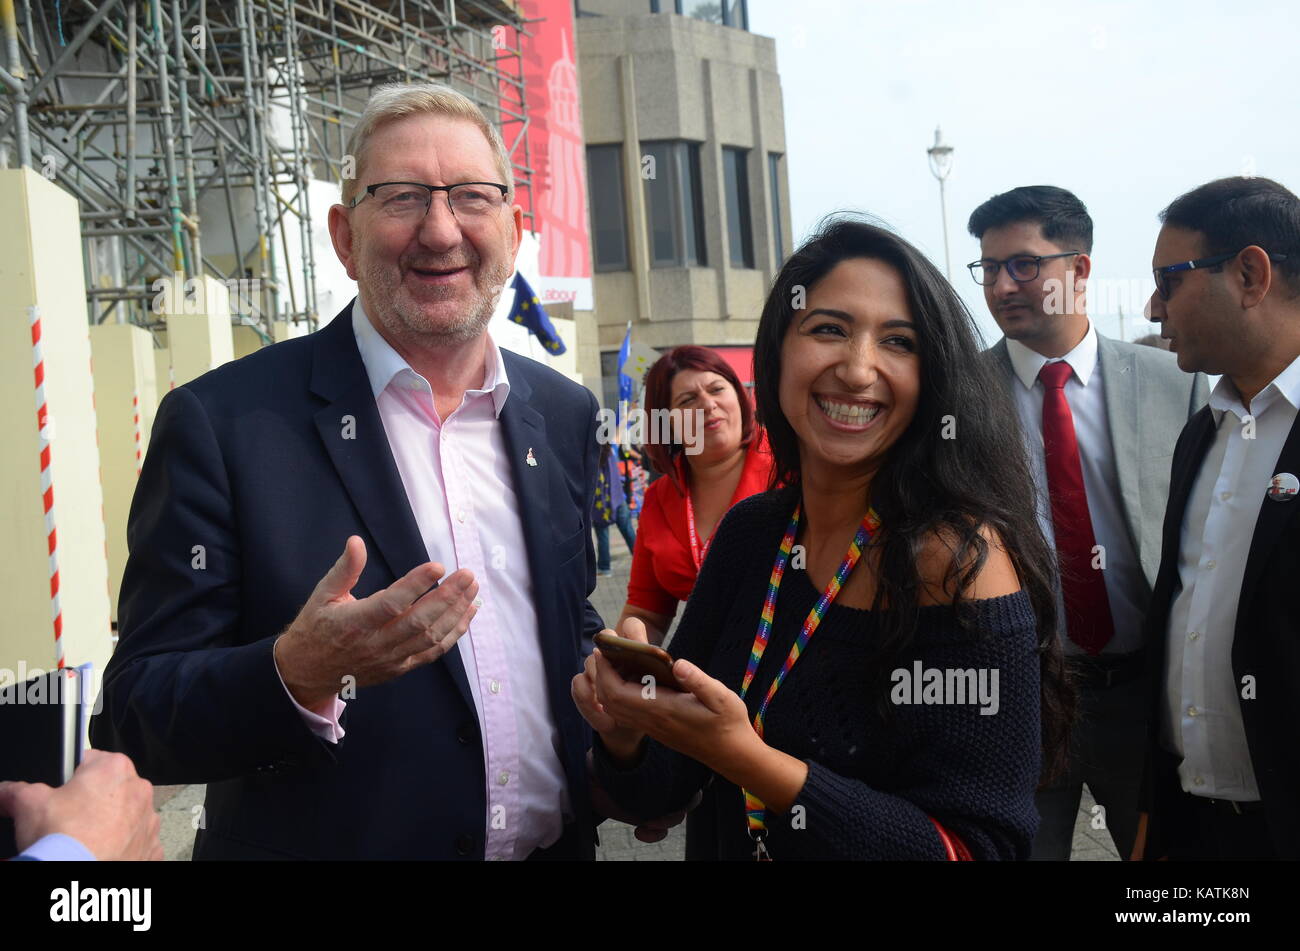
(398, 100)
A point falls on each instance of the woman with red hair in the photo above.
(712, 460)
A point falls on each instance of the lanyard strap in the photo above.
(755, 811)
(698, 552)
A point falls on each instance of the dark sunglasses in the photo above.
(1161, 274)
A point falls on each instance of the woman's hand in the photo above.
(708, 722)
(621, 743)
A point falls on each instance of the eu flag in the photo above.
(529, 312)
(625, 381)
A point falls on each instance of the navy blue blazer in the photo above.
(248, 493)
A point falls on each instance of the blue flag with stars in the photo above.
(624, 381)
(529, 312)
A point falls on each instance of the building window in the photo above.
(740, 235)
(674, 219)
(778, 224)
(727, 12)
(608, 211)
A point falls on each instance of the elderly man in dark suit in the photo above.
(1224, 778)
(409, 698)
(1100, 417)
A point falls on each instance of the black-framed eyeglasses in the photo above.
(410, 201)
(1022, 267)
(1161, 274)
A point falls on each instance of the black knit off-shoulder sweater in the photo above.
(877, 767)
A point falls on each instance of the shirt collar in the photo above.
(1027, 363)
(383, 363)
(1224, 398)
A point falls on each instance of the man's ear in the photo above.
(1082, 267)
(1254, 273)
(517, 212)
(341, 236)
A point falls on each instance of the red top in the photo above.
(663, 571)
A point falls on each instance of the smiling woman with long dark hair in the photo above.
(869, 658)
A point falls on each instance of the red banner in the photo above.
(557, 152)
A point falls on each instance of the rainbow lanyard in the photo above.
(755, 811)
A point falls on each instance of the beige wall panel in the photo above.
(201, 342)
(124, 380)
(40, 265)
(246, 340)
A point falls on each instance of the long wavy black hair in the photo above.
(928, 485)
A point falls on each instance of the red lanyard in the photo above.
(698, 553)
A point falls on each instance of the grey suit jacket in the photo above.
(1148, 402)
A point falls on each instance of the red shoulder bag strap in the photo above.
(954, 847)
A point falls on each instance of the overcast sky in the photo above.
(1128, 105)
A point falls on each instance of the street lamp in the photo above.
(941, 167)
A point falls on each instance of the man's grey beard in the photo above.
(403, 316)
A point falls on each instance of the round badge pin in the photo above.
(1283, 487)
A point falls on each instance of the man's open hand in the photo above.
(375, 639)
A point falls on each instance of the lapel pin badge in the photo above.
(1283, 487)
(531, 460)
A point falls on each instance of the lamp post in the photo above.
(941, 166)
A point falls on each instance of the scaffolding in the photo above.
(192, 133)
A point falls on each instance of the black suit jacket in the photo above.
(1265, 647)
(248, 492)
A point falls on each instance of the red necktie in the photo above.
(1087, 608)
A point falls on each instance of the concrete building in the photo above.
(688, 189)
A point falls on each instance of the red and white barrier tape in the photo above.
(135, 420)
(47, 485)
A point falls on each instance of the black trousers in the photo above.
(1107, 751)
(1199, 830)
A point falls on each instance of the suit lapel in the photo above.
(1273, 516)
(1119, 379)
(353, 434)
(525, 433)
(1200, 434)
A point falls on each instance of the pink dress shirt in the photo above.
(457, 480)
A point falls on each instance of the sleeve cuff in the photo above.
(327, 728)
(58, 847)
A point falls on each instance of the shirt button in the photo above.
(503, 777)
(1198, 781)
(460, 517)
(1225, 496)
(1194, 635)
(1192, 711)
(494, 686)
(478, 602)
(1209, 564)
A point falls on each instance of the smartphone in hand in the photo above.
(634, 659)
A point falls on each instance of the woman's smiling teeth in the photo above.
(850, 414)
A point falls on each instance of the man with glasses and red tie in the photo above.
(1224, 624)
(1100, 418)
(409, 697)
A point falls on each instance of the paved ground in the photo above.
(180, 805)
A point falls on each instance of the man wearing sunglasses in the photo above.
(1100, 417)
(372, 658)
(1224, 777)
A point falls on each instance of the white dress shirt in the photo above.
(1125, 584)
(1201, 716)
(457, 479)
